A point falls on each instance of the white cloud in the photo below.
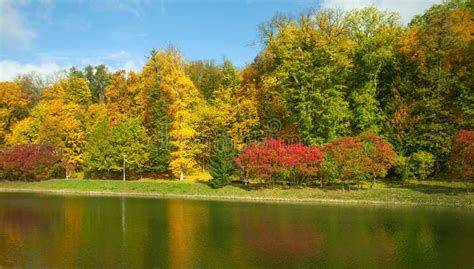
(406, 8)
(13, 29)
(131, 66)
(10, 69)
(49, 64)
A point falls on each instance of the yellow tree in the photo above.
(72, 90)
(24, 132)
(238, 106)
(59, 118)
(12, 101)
(121, 96)
(61, 124)
(183, 98)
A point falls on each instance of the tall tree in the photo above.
(206, 76)
(222, 164)
(122, 96)
(308, 61)
(181, 99)
(12, 103)
(160, 146)
(98, 78)
(374, 34)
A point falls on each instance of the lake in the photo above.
(39, 230)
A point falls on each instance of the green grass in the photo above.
(409, 193)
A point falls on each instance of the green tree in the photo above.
(77, 91)
(206, 77)
(109, 145)
(160, 147)
(308, 63)
(374, 33)
(99, 153)
(98, 78)
(222, 164)
(129, 140)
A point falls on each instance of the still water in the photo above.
(43, 231)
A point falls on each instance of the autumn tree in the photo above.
(434, 82)
(181, 98)
(239, 107)
(347, 156)
(367, 156)
(380, 153)
(12, 102)
(121, 96)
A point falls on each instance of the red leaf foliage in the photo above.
(361, 157)
(461, 161)
(274, 157)
(28, 161)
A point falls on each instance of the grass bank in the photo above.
(431, 193)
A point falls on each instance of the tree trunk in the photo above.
(181, 175)
(373, 184)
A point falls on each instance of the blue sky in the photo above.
(46, 36)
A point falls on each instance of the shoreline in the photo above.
(235, 198)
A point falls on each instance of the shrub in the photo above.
(421, 164)
(327, 171)
(461, 160)
(401, 167)
(380, 153)
(348, 158)
(30, 162)
(357, 158)
(273, 160)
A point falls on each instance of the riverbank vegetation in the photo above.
(350, 97)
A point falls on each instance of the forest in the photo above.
(333, 95)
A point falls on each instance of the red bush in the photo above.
(362, 157)
(380, 153)
(347, 156)
(29, 161)
(273, 158)
(461, 161)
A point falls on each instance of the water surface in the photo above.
(38, 230)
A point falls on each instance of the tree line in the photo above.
(355, 85)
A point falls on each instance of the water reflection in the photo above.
(72, 231)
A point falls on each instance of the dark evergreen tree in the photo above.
(222, 166)
(160, 147)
